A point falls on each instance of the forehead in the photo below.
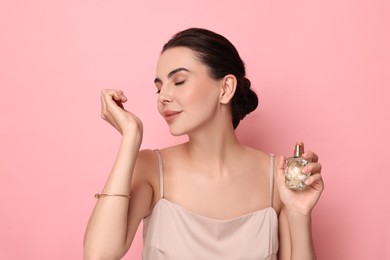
(177, 57)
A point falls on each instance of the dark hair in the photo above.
(222, 58)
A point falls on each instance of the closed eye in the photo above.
(158, 86)
(179, 83)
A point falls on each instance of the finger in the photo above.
(114, 94)
(111, 96)
(280, 168)
(310, 156)
(119, 96)
(315, 180)
(281, 162)
(312, 168)
(108, 97)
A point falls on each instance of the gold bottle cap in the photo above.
(298, 151)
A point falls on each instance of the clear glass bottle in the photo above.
(295, 179)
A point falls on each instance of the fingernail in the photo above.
(307, 181)
(304, 170)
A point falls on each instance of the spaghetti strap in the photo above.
(160, 166)
(271, 178)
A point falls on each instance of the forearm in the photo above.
(121, 173)
(302, 247)
(107, 227)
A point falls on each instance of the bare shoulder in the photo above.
(257, 155)
(146, 168)
(174, 149)
(263, 157)
(146, 165)
(177, 152)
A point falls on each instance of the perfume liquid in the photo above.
(295, 179)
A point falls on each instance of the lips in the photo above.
(169, 115)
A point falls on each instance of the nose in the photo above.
(164, 97)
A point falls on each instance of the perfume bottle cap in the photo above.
(298, 151)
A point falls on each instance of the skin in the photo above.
(212, 166)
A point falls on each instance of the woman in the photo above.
(208, 198)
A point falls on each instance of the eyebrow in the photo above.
(170, 74)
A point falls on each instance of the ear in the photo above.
(228, 88)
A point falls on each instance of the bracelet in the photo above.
(99, 195)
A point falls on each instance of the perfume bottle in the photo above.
(295, 179)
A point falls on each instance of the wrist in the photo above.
(132, 135)
(301, 213)
(132, 128)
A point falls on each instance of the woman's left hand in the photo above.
(302, 201)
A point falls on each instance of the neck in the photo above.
(214, 149)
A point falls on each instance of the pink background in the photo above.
(320, 68)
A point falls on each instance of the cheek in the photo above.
(209, 98)
(203, 93)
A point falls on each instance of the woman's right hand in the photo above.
(114, 113)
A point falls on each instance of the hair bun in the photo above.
(251, 97)
(244, 101)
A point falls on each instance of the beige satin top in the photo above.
(176, 233)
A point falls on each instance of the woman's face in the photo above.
(188, 97)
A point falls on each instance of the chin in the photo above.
(176, 131)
